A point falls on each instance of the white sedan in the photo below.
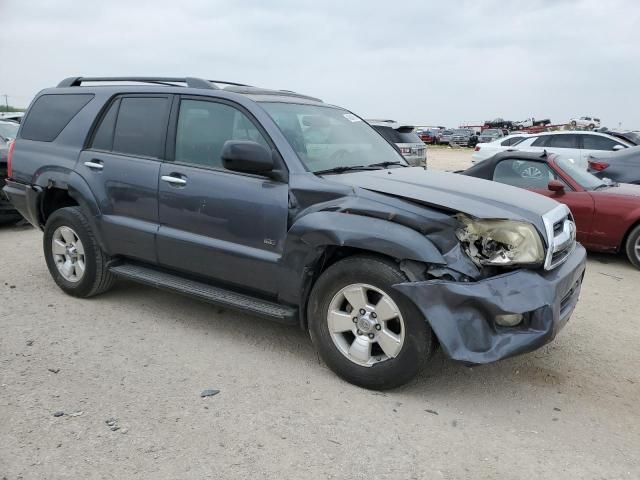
(578, 145)
(489, 149)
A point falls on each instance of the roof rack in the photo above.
(192, 82)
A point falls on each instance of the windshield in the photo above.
(8, 130)
(461, 132)
(582, 177)
(329, 137)
(491, 132)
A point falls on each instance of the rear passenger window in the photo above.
(203, 127)
(511, 141)
(596, 142)
(103, 138)
(140, 127)
(50, 114)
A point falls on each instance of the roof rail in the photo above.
(191, 82)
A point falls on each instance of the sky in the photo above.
(419, 62)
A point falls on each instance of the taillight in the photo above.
(477, 149)
(598, 166)
(10, 159)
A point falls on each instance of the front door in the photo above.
(121, 166)
(216, 223)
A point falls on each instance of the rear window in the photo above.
(50, 114)
(394, 136)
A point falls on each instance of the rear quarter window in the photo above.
(50, 114)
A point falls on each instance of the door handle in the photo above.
(94, 164)
(174, 180)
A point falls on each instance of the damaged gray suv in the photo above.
(280, 205)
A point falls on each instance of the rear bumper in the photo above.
(23, 198)
(462, 314)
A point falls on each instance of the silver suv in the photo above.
(412, 148)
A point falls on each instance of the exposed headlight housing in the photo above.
(500, 242)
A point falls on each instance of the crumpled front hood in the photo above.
(453, 192)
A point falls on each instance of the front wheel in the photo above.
(74, 257)
(364, 330)
(633, 247)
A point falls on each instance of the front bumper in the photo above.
(462, 314)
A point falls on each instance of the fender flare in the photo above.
(311, 235)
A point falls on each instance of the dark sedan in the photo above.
(607, 215)
(621, 166)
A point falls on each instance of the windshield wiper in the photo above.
(344, 168)
(387, 164)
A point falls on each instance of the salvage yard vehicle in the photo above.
(575, 145)
(585, 122)
(490, 135)
(621, 166)
(607, 215)
(489, 149)
(463, 137)
(408, 142)
(8, 214)
(277, 204)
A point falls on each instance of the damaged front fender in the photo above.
(462, 315)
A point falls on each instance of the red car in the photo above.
(429, 136)
(607, 215)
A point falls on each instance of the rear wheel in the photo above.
(73, 255)
(633, 247)
(364, 330)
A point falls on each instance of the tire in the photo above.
(591, 126)
(385, 372)
(632, 246)
(95, 277)
(574, 124)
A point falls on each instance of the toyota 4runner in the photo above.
(278, 204)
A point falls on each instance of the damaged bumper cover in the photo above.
(462, 315)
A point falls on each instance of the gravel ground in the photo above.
(127, 370)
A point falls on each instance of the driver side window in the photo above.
(524, 173)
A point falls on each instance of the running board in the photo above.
(208, 293)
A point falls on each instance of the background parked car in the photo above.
(411, 146)
(464, 137)
(490, 134)
(8, 214)
(445, 137)
(632, 137)
(621, 166)
(606, 215)
(489, 149)
(8, 131)
(576, 145)
(500, 123)
(586, 122)
(429, 136)
(530, 122)
(12, 116)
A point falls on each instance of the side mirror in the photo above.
(556, 186)
(246, 156)
(618, 147)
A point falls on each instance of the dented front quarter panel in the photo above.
(461, 313)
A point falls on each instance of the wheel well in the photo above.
(54, 199)
(331, 255)
(623, 244)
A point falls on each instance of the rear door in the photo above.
(224, 225)
(122, 165)
(596, 144)
(535, 175)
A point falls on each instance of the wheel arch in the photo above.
(321, 239)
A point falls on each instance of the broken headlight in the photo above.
(500, 242)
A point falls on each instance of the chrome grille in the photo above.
(561, 235)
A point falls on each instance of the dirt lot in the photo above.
(142, 357)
